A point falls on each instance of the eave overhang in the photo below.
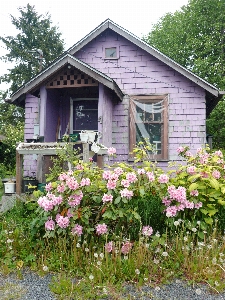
(55, 67)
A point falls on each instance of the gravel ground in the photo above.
(34, 287)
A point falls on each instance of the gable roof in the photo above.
(143, 45)
(56, 66)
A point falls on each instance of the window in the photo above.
(148, 119)
(111, 53)
(84, 115)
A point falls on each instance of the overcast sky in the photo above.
(76, 18)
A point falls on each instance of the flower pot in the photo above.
(91, 136)
(41, 187)
(84, 137)
(74, 137)
(10, 187)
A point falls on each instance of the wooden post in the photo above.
(19, 169)
(100, 161)
(85, 152)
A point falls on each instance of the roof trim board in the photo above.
(66, 59)
(143, 45)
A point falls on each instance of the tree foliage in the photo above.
(34, 32)
(195, 38)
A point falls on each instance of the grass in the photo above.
(82, 267)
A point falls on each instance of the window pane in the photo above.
(85, 115)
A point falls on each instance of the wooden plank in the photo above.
(19, 169)
(85, 152)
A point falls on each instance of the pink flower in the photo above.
(126, 247)
(131, 177)
(61, 188)
(163, 178)
(118, 171)
(101, 229)
(125, 193)
(166, 201)
(125, 183)
(50, 225)
(188, 154)
(57, 200)
(70, 213)
(194, 193)
(189, 204)
(216, 174)
(109, 247)
(48, 187)
(90, 159)
(111, 151)
(147, 230)
(85, 181)
(218, 153)
(63, 222)
(171, 211)
(45, 203)
(191, 170)
(198, 205)
(63, 176)
(180, 149)
(150, 176)
(106, 174)
(141, 171)
(75, 199)
(107, 198)
(113, 176)
(79, 167)
(111, 184)
(77, 229)
(72, 183)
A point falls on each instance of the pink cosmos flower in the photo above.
(147, 230)
(150, 176)
(101, 229)
(107, 198)
(125, 193)
(131, 177)
(48, 187)
(126, 247)
(194, 193)
(118, 171)
(180, 149)
(163, 178)
(216, 174)
(50, 225)
(61, 188)
(111, 151)
(191, 170)
(63, 222)
(109, 247)
(111, 184)
(125, 183)
(77, 229)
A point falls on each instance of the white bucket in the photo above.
(91, 136)
(84, 137)
(10, 187)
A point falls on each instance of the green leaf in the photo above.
(107, 214)
(204, 211)
(221, 202)
(193, 186)
(212, 212)
(194, 177)
(223, 189)
(201, 235)
(209, 220)
(142, 191)
(124, 200)
(120, 212)
(117, 200)
(214, 183)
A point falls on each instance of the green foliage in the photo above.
(35, 32)
(194, 37)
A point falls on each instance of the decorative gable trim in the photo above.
(65, 60)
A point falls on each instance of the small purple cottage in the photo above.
(115, 84)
